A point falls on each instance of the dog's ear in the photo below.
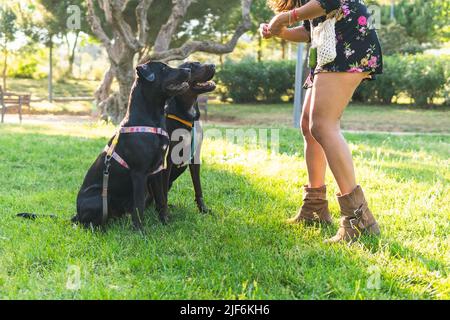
(144, 71)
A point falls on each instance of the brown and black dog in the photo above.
(182, 121)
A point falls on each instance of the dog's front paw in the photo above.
(201, 206)
(164, 218)
(138, 228)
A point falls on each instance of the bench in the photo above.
(202, 101)
(9, 99)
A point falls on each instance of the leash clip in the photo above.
(107, 165)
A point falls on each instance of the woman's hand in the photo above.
(264, 31)
(278, 22)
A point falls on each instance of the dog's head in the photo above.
(201, 75)
(159, 76)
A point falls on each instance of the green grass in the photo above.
(66, 88)
(243, 251)
(356, 117)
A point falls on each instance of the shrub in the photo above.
(251, 81)
(386, 86)
(395, 39)
(24, 69)
(422, 77)
(28, 63)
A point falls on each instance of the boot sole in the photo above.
(373, 230)
(309, 222)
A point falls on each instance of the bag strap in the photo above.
(331, 15)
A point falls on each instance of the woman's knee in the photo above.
(320, 128)
(306, 132)
(305, 126)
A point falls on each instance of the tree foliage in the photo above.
(8, 26)
(424, 20)
(8, 31)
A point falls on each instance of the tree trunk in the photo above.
(50, 71)
(5, 65)
(103, 92)
(71, 54)
(113, 105)
(125, 78)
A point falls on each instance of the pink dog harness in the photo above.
(111, 154)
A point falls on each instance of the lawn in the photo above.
(390, 118)
(244, 250)
(62, 88)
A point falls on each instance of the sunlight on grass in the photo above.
(386, 193)
(243, 251)
(95, 130)
(67, 107)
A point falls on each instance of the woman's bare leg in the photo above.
(316, 162)
(315, 203)
(331, 93)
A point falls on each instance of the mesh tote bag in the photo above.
(323, 38)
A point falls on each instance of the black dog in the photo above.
(142, 152)
(182, 112)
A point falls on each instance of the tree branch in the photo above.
(97, 29)
(105, 6)
(122, 27)
(104, 90)
(162, 42)
(207, 46)
(141, 18)
(96, 26)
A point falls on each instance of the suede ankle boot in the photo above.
(356, 217)
(314, 208)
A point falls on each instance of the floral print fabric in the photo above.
(357, 45)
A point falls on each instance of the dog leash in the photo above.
(111, 154)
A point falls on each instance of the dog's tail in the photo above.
(33, 216)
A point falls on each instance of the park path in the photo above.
(49, 119)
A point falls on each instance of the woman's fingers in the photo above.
(277, 23)
(275, 30)
(264, 31)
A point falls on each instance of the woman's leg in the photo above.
(316, 162)
(330, 95)
(315, 203)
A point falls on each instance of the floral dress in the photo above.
(357, 45)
